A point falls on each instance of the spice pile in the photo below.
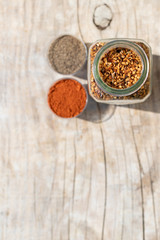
(98, 94)
(67, 98)
(120, 68)
(67, 54)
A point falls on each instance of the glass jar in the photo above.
(100, 91)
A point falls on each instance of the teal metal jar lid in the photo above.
(124, 44)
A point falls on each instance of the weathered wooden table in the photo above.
(94, 177)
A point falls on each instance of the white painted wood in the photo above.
(75, 179)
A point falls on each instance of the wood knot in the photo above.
(102, 16)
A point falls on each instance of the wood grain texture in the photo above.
(95, 177)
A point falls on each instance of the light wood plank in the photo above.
(75, 179)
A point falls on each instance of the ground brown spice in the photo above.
(67, 98)
(100, 95)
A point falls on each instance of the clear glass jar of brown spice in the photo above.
(119, 71)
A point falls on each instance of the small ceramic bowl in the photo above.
(75, 79)
(52, 40)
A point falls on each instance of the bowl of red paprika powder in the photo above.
(67, 98)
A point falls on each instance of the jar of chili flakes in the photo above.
(119, 71)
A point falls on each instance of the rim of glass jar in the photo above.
(125, 44)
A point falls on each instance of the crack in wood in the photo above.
(78, 20)
(75, 169)
(141, 183)
(105, 174)
(152, 194)
(89, 192)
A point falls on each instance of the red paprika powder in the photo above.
(67, 98)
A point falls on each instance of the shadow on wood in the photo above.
(152, 104)
(97, 112)
(82, 73)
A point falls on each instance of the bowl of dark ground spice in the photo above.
(66, 54)
(67, 98)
